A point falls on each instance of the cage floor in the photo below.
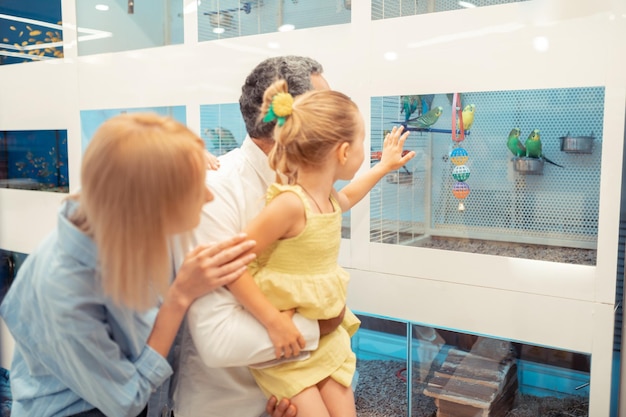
(382, 392)
(515, 250)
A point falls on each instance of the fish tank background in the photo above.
(116, 26)
(400, 366)
(34, 160)
(30, 30)
(387, 9)
(90, 120)
(10, 263)
(223, 19)
(552, 216)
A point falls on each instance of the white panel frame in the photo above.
(484, 49)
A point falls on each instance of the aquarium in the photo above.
(124, 25)
(90, 120)
(30, 30)
(386, 9)
(10, 262)
(410, 369)
(522, 179)
(34, 160)
(233, 18)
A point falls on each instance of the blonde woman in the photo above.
(89, 338)
(319, 140)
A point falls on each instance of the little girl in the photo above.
(319, 140)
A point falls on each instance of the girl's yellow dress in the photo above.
(302, 273)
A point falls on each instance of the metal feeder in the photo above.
(528, 166)
(577, 144)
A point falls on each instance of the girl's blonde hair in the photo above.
(138, 173)
(319, 121)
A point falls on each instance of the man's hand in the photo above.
(329, 325)
(284, 408)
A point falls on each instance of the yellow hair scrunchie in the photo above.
(280, 107)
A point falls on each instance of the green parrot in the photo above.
(426, 120)
(222, 140)
(409, 105)
(533, 147)
(514, 144)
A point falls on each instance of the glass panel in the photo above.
(30, 30)
(122, 25)
(90, 120)
(345, 217)
(386, 9)
(34, 160)
(222, 127)
(458, 374)
(543, 204)
(380, 345)
(221, 19)
(10, 262)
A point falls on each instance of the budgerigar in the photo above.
(514, 144)
(468, 117)
(222, 140)
(534, 147)
(426, 120)
(409, 105)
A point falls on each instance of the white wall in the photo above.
(484, 49)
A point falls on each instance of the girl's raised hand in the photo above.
(394, 156)
(208, 267)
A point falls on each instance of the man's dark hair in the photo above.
(296, 70)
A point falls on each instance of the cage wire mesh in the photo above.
(559, 207)
(221, 19)
(392, 218)
(387, 9)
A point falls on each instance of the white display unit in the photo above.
(563, 306)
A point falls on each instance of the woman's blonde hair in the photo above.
(319, 121)
(138, 173)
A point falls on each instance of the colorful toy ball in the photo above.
(460, 191)
(458, 156)
(461, 173)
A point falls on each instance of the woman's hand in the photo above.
(208, 267)
(285, 336)
(212, 163)
(394, 156)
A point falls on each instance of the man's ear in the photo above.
(342, 152)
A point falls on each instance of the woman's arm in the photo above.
(283, 217)
(391, 160)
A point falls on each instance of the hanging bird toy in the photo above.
(458, 155)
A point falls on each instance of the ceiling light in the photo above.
(390, 56)
(286, 27)
(467, 4)
(102, 7)
(541, 43)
